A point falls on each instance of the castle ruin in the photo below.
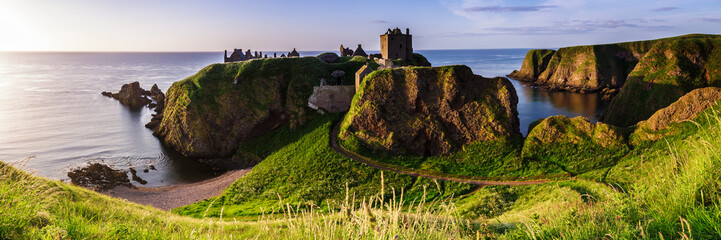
(396, 45)
(238, 56)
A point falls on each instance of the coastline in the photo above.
(173, 196)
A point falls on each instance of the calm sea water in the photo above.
(51, 108)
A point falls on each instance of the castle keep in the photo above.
(395, 44)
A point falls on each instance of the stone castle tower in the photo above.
(395, 44)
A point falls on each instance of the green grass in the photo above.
(574, 143)
(300, 167)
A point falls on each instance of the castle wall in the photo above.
(331, 98)
(396, 46)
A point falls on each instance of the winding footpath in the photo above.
(345, 152)
(174, 196)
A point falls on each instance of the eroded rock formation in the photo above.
(431, 111)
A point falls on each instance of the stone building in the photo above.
(345, 52)
(359, 52)
(396, 45)
(361, 74)
(235, 56)
(294, 53)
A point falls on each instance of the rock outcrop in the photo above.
(591, 68)
(685, 108)
(209, 114)
(574, 143)
(431, 111)
(534, 64)
(669, 70)
(329, 57)
(134, 96)
(131, 95)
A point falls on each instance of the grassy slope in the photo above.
(574, 143)
(664, 190)
(36, 208)
(300, 168)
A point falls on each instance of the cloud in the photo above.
(713, 20)
(378, 22)
(501, 9)
(664, 9)
(561, 27)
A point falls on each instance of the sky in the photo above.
(215, 25)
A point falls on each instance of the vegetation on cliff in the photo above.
(535, 62)
(431, 111)
(574, 143)
(670, 69)
(208, 114)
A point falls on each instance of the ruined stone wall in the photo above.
(331, 98)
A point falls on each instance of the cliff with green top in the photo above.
(208, 114)
(589, 68)
(431, 110)
(670, 69)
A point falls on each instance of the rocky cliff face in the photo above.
(685, 108)
(535, 62)
(574, 143)
(670, 69)
(208, 114)
(431, 110)
(589, 68)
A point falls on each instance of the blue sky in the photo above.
(183, 25)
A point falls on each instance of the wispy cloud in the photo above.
(664, 9)
(500, 9)
(713, 20)
(561, 27)
(378, 22)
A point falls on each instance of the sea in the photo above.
(53, 118)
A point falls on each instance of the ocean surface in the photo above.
(53, 118)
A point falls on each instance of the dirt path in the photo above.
(340, 149)
(174, 196)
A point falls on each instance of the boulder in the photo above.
(431, 110)
(574, 143)
(685, 108)
(328, 57)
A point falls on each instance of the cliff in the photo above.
(535, 62)
(574, 143)
(431, 110)
(208, 114)
(588, 68)
(669, 70)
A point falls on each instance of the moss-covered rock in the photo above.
(208, 114)
(685, 109)
(431, 110)
(669, 70)
(534, 64)
(574, 143)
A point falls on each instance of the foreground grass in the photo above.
(672, 193)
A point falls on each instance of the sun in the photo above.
(15, 34)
